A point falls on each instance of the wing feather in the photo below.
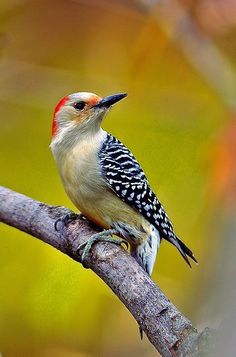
(126, 178)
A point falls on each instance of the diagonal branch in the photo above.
(167, 329)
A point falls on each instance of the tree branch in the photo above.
(167, 329)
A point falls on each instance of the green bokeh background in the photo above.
(49, 304)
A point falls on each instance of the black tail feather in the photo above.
(183, 249)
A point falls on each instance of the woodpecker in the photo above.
(105, 182)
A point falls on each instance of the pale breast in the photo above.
(83, 182)
(80, 174)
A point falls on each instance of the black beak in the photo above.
(106, 102)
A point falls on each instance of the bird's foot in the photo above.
(104, 236)
(63, 221)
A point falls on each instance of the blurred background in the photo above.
(176, 60)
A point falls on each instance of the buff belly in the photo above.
(88, 191)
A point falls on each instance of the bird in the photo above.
(105, 182)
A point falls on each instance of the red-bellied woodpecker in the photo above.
(105, 182)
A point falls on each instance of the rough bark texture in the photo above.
(167, 329)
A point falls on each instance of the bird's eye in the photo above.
(79, 105)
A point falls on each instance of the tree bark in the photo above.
(168, 330)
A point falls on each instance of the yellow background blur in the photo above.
(173, 120)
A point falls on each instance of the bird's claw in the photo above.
(63, 221)
(122, 241)
(104, 236)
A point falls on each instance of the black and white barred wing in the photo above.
(126, 178)
(119, 154)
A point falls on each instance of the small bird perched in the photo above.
(105, 182)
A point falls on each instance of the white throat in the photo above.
(70, 136)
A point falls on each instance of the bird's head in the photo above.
(81, 112)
